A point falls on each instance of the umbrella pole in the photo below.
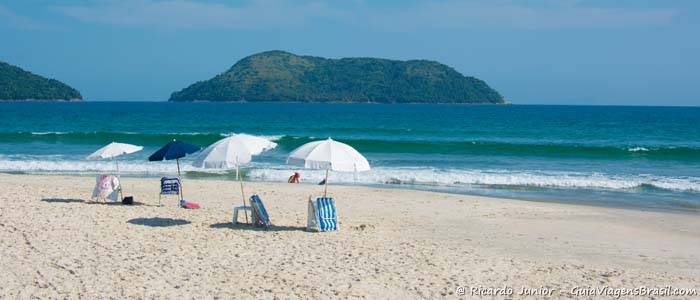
(325, 186)
(242, 194)
(182, 191)
(117, 163)
(119, 178)
(177, 160)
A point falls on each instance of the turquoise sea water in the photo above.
(622, 156)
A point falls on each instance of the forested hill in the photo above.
(19, 85)
(278, 76)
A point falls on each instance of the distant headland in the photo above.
(17, 84)
(278, 76)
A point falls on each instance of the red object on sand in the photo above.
(191, 205)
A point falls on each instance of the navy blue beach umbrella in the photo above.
(174, 150)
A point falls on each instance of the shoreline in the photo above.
(430, 188)
(391, 243)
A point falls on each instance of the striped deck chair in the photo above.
(260, 216)
(322, 215)
(169, 186)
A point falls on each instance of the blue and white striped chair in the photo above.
(322, 215)
(169, 186)
(260, 216)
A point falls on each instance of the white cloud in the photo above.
(443, 14)
(14, 20)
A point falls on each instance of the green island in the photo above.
(17, 84)
(278, 76)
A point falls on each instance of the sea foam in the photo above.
(381, 175)
(428, 176)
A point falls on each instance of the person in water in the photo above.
(294, 178)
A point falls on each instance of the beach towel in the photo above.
(190, 205)
(106, 188)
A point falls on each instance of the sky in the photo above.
(570, 52)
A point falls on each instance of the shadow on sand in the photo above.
(118, 203)
(59, 200)
(243, 226)
(158, 222)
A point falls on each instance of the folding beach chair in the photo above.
(322, 215)
(107, 187)
(169, 186)
(260, 216)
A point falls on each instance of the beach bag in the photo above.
(129, 200)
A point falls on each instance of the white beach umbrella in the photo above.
(329, 155)
(113, 150)
(233, 152)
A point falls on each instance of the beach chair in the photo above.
(169, 186)
(322, 215)
(107, 187)
(260, 216)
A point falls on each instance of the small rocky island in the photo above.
(278, 76)
(17, 84)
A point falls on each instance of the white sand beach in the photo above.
(392, 244)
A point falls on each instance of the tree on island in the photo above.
(278, 76)
(17, 84)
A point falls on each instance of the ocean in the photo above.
(635, 157)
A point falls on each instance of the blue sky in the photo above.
(627, 52)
